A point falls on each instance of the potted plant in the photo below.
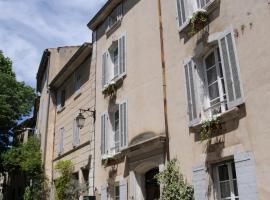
(198, 21)
(209, 128)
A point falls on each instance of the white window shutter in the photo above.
(123, 115)
(77, 80)
(246, 176)
(104, 69)
(76, 134)
(103, 133)
(122, 55)
(191, 88)
(230, 68)
(181, 12)
(200, 182)
(123, 189)
(104, 195)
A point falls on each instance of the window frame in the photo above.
(63, 98)
(229, 164)
(222, 94)
(116, 186)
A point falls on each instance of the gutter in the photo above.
(164, 83)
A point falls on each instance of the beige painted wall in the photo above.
(142, 86)
(253, 45)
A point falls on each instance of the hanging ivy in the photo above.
(174, 187)
(197, 21)
(209, 128)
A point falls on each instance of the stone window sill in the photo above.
(61, 109)
(77, 94)
(224, 117)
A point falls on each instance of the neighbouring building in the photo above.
(165, 70)
(66, 82)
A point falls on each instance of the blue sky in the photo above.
(27, 27)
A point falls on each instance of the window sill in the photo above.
(61, 109)
(111, 159)
(77, 94)
(210, 7)
(224, 117)
(117, 81)
(113, 28)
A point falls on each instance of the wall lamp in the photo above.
(80, 119)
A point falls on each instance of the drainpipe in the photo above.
(164, 82)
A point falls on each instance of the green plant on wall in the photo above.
(65, 168)
(209, 127)
(174, 187)
(111, 89)
(197, 21)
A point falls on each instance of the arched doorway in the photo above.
(152, 188)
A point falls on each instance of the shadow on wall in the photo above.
(127, 6)
(84, 71)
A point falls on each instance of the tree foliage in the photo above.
(67, 187)
(16, 100)
(26, 158)
(174, 187)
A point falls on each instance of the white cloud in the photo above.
(30, 26)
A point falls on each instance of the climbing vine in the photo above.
(174, 187)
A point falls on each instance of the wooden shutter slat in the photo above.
(200, 182)
(231, 70)
(104, 195)
(123, 189)
(191, 93)
(123, 124)
(122, 54)
(103, 133)
(104, 64)
(181, 12)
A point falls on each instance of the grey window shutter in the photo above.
(104, 195)
(122, 54)
(103, 133)
(123, 124)
(104, 66)
(246, 178)
(123, 189)
(59, 142)
(200, 182)
(181, 12)
(230, 68)
(191, 93)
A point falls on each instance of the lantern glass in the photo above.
(80, 120)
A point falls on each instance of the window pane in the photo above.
(223, 173)
(213, 91)
(210, 60)
(233, 171)
(212, 75)
(225, 189)
(235, 188)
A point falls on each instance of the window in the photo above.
(76, 134)
(77, 77)
(61, 140)
(114, 61)
(186, 8)
(114, 129)
(213, 81)
(115, 16)
(226, 181)
(61, 98)
(116, 191)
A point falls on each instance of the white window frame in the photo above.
(231, 180)
(222, 102)
(110, 74)
(61, 133)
